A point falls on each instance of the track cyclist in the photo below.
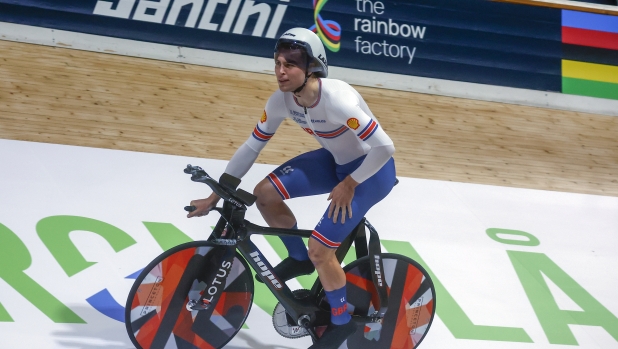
(354, 165)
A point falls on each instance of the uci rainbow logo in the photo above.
(328, 31)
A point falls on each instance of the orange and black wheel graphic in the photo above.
(157, 315)
(411, 303)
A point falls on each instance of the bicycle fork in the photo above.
(205, 297)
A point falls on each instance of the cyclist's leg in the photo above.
(333, 281)
(330, 234)
(311, 173)
(270, 204)
(327, 236)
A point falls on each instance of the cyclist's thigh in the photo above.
(375, 188)
(311, 173)
(366, 195)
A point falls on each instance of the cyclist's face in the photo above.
(288, 69)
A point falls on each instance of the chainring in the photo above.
(283, 324)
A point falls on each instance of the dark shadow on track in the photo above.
(106, 333)
(253, 342)
(100, 333)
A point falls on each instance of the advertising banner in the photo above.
(513, 268)
(473, 41)
(590, 54)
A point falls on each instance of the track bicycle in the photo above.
(198, 295)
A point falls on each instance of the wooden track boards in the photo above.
(73, 97)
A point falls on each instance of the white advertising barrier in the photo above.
(513, 268)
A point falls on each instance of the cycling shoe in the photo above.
(290, 268)
(334, 336)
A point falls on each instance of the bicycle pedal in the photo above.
(373, 330)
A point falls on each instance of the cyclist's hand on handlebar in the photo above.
(203, 206)
(341, 199)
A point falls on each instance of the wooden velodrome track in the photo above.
(66, 96)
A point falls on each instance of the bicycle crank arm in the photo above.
(305, 322)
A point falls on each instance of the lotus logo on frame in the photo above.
(327, 30)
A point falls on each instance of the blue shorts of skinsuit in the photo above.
(315, 173)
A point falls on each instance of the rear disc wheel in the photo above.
(411, 303)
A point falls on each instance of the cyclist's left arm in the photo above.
(347, 111)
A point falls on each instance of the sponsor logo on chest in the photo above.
(297, 114)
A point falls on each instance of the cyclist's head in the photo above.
(302, 48)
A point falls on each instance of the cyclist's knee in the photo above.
(319, 254)
(266, 194)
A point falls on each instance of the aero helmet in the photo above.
(308, 41)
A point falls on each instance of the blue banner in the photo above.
(474, 40)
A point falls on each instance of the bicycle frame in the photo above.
(201, 292)
(307, 312)
(234, 231)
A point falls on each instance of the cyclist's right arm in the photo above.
(247, 153)
(269, 122)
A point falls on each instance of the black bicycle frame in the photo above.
(234, 231)
(296, 308)
(233, 228)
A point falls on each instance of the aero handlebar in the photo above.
(225, 187)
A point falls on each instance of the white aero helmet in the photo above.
(311, 43)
